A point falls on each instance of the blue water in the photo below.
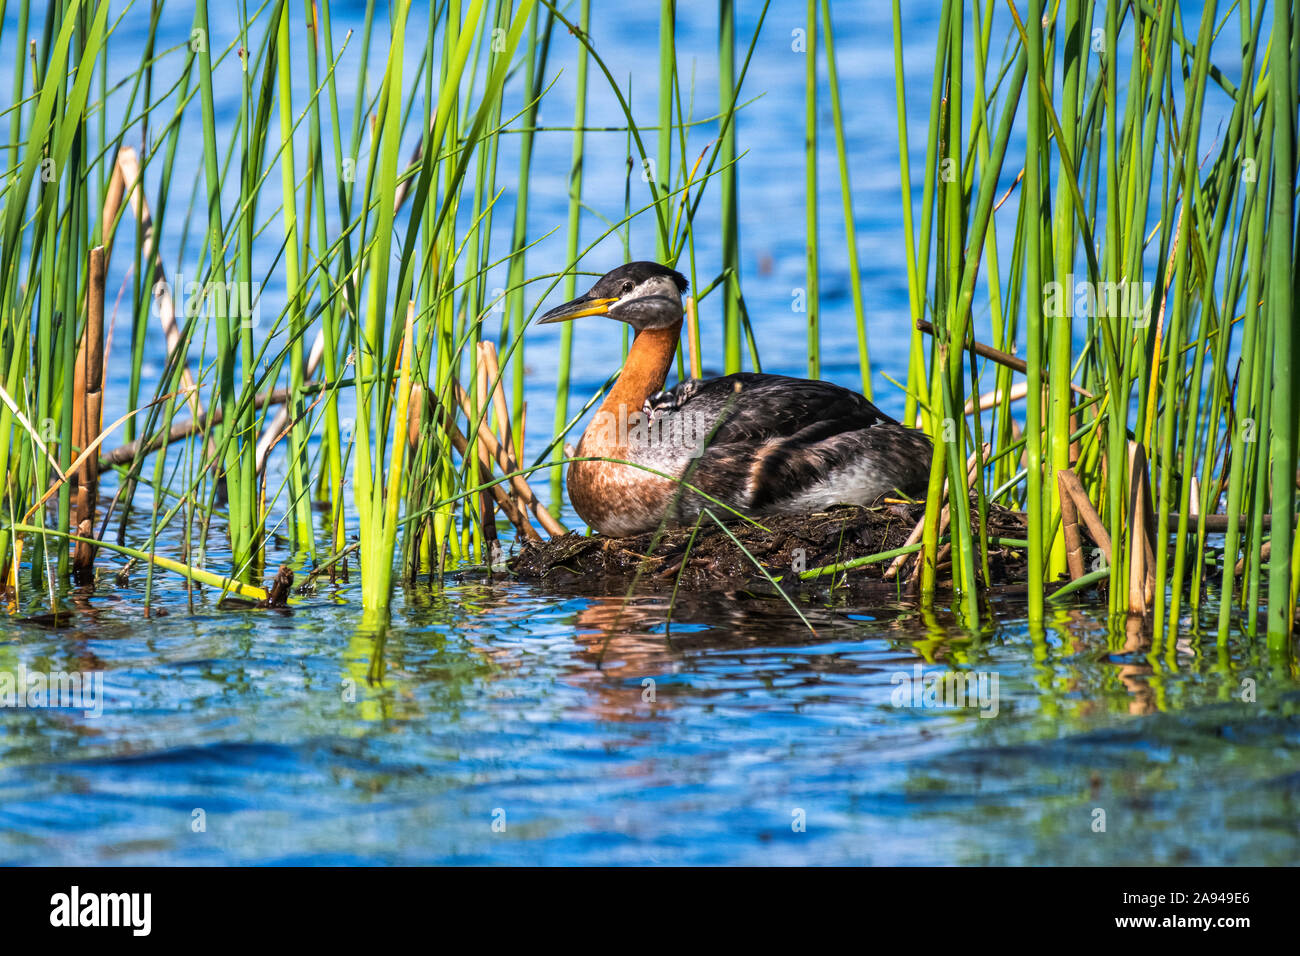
(498, 722)
(501, 703)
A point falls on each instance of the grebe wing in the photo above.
(777, 438)
(755, 406)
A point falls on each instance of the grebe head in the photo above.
(645, 295)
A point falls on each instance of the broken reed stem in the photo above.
(499, 399)
(1141, 574)
(129, 164)
(89, 401)
(487, 511)
(82, 437)
(112, 206)
(1070, 528)
(1265, 551)
(508, 506)
(498, 453)
(1070, 484)
(414, 416)
(693, 338)
(1075, 506)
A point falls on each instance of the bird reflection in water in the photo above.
(632, 649)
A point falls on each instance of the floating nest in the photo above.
(731, 558)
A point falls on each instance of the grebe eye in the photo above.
(628, 286)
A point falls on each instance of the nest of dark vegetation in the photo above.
(782, 546)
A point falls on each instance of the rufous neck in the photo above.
(645, 370)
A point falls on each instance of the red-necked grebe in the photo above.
(761, 444)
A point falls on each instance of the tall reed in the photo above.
(1168, 245)
(342, 322)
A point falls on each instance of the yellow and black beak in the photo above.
(576, 309)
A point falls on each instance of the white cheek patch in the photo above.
(656, 285)
(636, 293)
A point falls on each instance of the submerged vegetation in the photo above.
(1145, 273)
